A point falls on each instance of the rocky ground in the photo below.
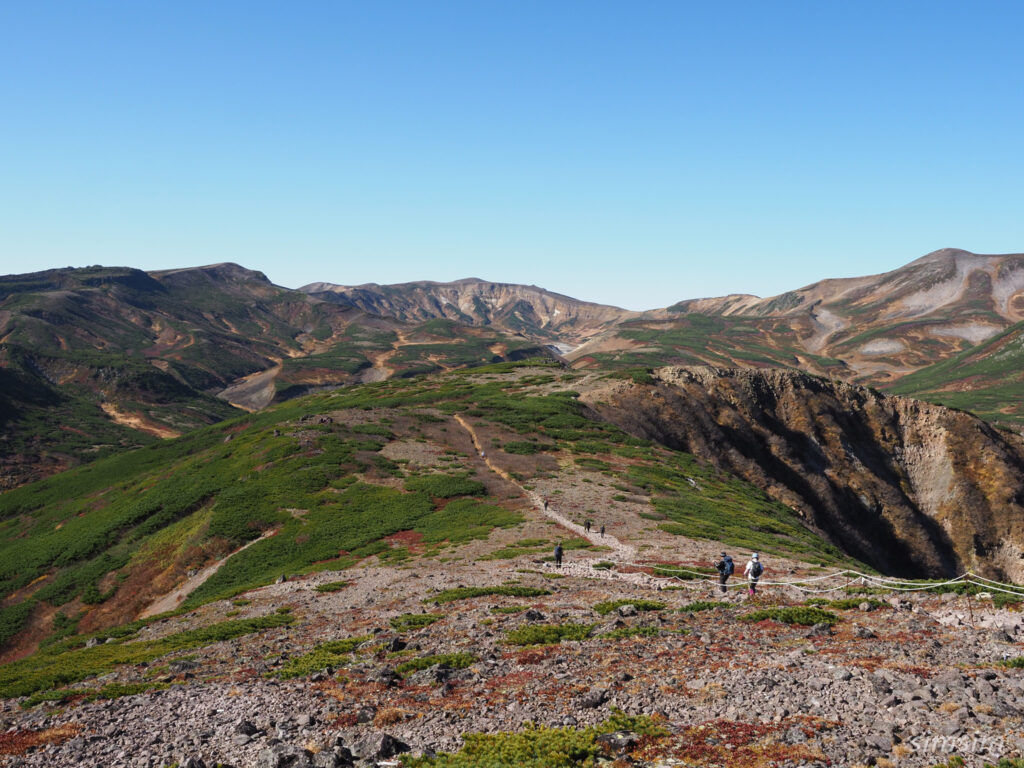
(895, 683)
(908, 679)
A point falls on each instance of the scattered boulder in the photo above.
(285, 756)
(594, 698)
(619, 742)
(378, 746)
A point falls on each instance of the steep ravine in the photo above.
(913, 489)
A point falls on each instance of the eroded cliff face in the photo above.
(911, 488)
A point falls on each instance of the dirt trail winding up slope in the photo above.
(172, 600)
(623, 551)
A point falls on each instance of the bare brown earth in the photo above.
(137, 421)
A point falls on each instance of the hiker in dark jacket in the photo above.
(586, 526)
(602, 531)
(558, 555)
(725, 568)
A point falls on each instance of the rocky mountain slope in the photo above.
(523, 309)
(906, 486)
(405, 597)
(100, 359)
(884, 330)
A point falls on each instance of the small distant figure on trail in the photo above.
(483, 455)
(725, 568)
(545, 505)
(753, 572)
(558, 555)
(586, 526)
(602, 530)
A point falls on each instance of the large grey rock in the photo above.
(619, 742)
(285, 756)
(594, 698)
(378, 746)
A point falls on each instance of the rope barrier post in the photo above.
(970, 609)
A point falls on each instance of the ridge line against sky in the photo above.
(633, 154)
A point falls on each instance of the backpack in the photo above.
(756, 569)
(729, 567)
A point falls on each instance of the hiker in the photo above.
(545, 505)
(586, 526)
(602, 530)
(725, 568)
(753, 572)
(558, 555)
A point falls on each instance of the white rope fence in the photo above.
(852, 578)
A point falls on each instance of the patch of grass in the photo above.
(67, 662)
(526, 447)
(547, 634)
(450, 660)
(445, 486)
(603, 565)
(111, 691)
(410, 621)
(703, 605)
(682, 574)
(463, 520)
(465, 593)
(606, 607)
(332, 586)
(508, 609)
(846, 603)
(332, 654)
(539, 746)
(700, 502)
(797, 614)
(621, 633)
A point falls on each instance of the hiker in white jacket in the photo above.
(753, 572)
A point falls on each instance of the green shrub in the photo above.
(332, 654)
(62, 663)
(797, 614)
(538, 746)
(1003, 600)
(847, 603)
(525, 447)
(547, 634)
(463, 520)
(410, 621)
(464, 593)
(703, 605)
(332, 586)
(372, 429)
(604, 565)
(450, 660)
(682, 574)
(606, 607)
(111, 691)
(445, 486)
(13, 619)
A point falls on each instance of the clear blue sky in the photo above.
(633, 153)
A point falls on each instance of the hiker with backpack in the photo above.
(753, 572)
(586, 525)
(558, 555)
(725, 568)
